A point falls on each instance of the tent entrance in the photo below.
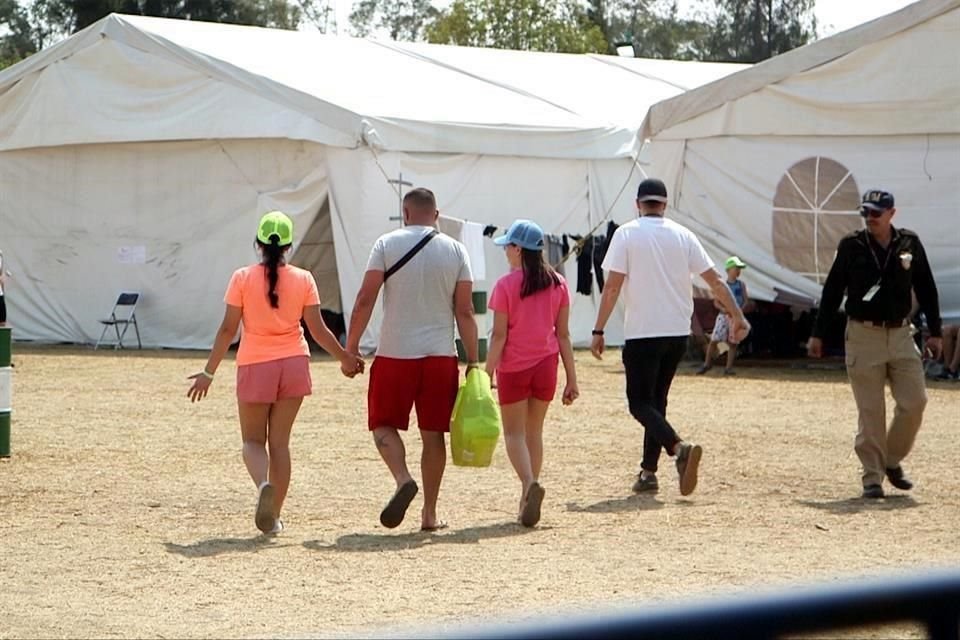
(317, 254)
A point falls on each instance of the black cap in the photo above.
(652, 190)
(877, 200)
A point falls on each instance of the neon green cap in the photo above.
(277, 224)
(734, 261)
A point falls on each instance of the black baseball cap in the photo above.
(652, 190)
(877, 200)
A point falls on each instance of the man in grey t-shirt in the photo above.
(416, 362)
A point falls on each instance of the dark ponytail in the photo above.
(537, 274)
(272, 259)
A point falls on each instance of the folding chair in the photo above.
(124, 301)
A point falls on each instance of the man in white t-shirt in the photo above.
(416, 362)
(651, 259)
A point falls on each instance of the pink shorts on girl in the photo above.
(274, 380)
(539, 381)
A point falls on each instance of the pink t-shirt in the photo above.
(268, 333)
(531, 321)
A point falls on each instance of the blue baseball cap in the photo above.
(526, 234)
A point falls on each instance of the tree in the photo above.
(652, 27)
(754, 30)
(548, 25)
(29, 28)
(400, 19)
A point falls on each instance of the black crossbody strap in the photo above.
(409, 255)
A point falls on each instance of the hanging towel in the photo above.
(473, 241)
(556, 253)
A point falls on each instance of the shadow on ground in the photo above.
(618, 505)
(373, 542)
(220, 546)
(857, 505)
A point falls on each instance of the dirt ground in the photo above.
(126, 511)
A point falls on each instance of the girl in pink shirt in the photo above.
(273, 362)
(531, 308)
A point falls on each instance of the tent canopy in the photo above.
(139, 153)
(769, 163)
(209, 80)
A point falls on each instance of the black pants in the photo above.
(651, 364)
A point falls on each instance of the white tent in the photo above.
(139, 153)
(768, 163)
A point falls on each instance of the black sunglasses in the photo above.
(871, 213)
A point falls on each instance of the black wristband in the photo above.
(597, 332)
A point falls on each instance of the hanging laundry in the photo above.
(473, 241)
(556, 253)
(489, 230)
(471, 235)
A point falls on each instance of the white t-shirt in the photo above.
(658, 257)
(418, 313)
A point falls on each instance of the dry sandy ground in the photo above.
(127, 512)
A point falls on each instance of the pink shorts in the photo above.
(274, 380)
(539, 381)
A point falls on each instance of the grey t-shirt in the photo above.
(418, 316)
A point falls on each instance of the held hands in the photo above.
(351, 364)
(201, 384)
(570, 393)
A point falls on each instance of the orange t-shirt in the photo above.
(268, 333)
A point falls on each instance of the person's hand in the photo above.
(201, 384)
(815, 348)
(570, 393)
(739, 328)
(934, 348)
(352, 364)
(470, 367)
(596, 347)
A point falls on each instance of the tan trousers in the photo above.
(875, 355)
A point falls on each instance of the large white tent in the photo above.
(139, 153)
(768, 163)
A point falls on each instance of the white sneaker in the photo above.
(277, 527)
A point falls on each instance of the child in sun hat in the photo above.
(531, 333)
(721, 337)
(273, 362)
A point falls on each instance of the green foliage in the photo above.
(723, 30)
(549, 25)
(754, 30)
(31, 26)
(401, 19)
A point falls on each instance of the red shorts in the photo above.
(539, 381)
(274, 380)
(396, 385)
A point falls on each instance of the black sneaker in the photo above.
(646, 485)
(688, 461)
(898, 479)
(873, 491)
(703, 369)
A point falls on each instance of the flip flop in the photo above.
(440, 526)
(392, 514)
(531, 509)
(264, 518)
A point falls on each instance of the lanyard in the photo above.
(876, 260)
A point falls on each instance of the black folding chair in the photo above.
(126, 305)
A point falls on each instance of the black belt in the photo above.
(883, 324)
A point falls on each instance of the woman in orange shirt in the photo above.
(273, 362)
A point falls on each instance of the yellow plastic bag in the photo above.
(475, 425)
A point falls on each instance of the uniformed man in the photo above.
(877, 268)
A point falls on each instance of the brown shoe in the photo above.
(531, 508)
(688, 463)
